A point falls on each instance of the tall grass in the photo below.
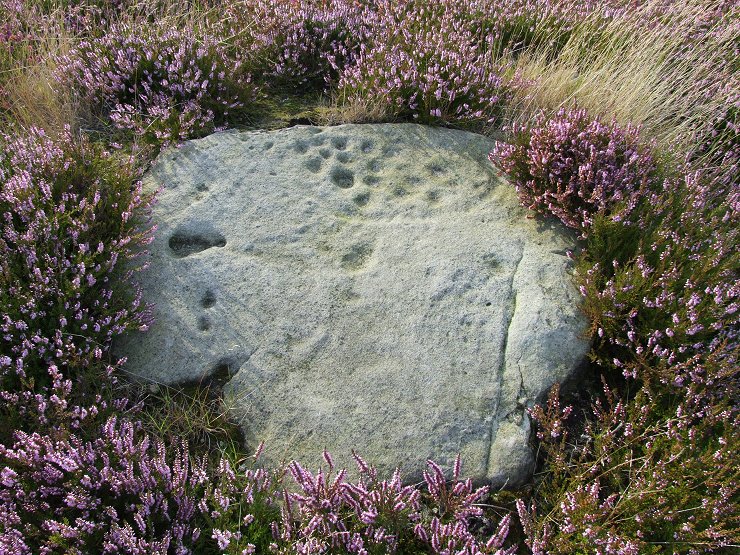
(665, 66)
(28, 50)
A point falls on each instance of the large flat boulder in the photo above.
(370, 287)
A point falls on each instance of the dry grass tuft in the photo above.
(356, 110)
(195, 414)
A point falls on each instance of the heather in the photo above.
(620, 119)
(161, 83)
(426, 69)
(299, 45)
(70, 215)
(573, 166)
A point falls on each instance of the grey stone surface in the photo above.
(370, 287)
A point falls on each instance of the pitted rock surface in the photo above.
(370, 287)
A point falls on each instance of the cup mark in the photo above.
(185, 243)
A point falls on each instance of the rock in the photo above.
(370, 287)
